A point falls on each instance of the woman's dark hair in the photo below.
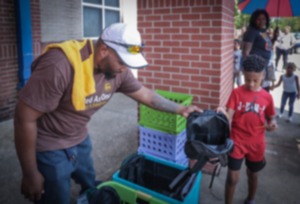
(255, 15)
(275, 35)
(254, 63)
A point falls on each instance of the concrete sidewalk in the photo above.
(114, 134)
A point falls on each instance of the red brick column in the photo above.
(189, 46)
(8, 60)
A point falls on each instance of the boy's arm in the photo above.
(271, 123)
(229, 110)
(228, 113)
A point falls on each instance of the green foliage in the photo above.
(240, 19)
(293, 22)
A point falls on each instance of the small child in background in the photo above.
(290, 90)
(237, 61)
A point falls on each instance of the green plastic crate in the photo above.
(166, 122)
(131, 196)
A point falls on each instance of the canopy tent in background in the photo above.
(275, 8)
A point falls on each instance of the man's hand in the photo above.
(158, 102)
(186, 110)
(272, 125)
(32, 186)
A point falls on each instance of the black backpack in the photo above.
(207, 137)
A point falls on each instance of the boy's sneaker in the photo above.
(279, 115)
(289, 120)
(249, 201)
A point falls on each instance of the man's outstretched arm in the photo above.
(154, 100)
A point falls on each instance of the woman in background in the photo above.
(256, 41)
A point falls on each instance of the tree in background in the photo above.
(293, 22)
(240, 19)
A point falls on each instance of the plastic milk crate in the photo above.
(156, 177)
(162, 144)
(167, 122)
(131, 196)
(181, 161)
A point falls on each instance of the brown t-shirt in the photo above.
(49, 90)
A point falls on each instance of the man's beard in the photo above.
(109, 75)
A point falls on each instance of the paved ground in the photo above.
(114, 134)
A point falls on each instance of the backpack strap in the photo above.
(132, 168)
(185, 174)
(179, 179)
(201, 161)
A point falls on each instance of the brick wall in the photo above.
(227, 50)
(8, 59)
(189, 46)
(36, 27)
(8, 54)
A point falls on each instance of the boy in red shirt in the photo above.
(250, 109)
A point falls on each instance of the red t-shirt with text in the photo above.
(251, 109)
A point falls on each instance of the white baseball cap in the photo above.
(126, 42)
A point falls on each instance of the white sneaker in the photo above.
(290, 119)
(279, 115)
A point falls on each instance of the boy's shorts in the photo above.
(253, 152)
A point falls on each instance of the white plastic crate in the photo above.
(162, 144)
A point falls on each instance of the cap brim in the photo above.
(135, 61)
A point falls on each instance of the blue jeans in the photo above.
(284, 54)
(59, 166)
(292, 98)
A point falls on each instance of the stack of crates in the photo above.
(162, 134)
(162, 139)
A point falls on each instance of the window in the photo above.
(98, 14)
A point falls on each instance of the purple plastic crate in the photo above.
(162, 144)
